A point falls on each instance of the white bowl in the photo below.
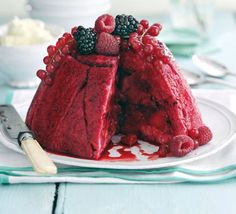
(43, 3)
(72, 12)
(55, 4)
(21, 63)
(67, 22)
(69, 19)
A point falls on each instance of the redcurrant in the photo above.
(144, 23)
(41, 74)
(50, 68)
(51, 50)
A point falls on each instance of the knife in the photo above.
(16, 130)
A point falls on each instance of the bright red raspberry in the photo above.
(105, 23)
(107, 44)
(181, 145)
(205, 135)
(129, 140)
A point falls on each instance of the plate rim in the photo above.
(78, 162)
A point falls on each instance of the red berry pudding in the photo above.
(114, 78)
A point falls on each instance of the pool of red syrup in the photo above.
(124, 154)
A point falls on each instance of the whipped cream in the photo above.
(25, 32)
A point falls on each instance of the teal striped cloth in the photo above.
(221, 166)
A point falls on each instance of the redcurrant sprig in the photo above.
(64, 46)
(143, 42)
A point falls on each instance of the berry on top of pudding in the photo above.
(114, 78)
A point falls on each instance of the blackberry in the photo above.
(85, 40)
(125, 25)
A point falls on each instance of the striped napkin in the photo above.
(15, 168)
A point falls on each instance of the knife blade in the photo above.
(15, 129)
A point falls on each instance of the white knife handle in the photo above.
(38, 157)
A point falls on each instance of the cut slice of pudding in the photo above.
(156, 100)
(76, 115)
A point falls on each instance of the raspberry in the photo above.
(125, 25)
(129, 140)
(107, 44)
(181, 145)
(105, 23)
(205, 135)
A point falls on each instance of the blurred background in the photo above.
(205, 27)
(11, 8)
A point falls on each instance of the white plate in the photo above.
(221, 121)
